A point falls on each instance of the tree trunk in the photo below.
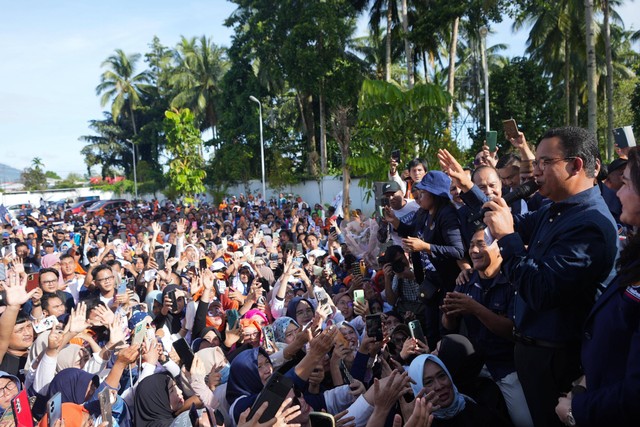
(305, 104)
(341, 132)
(387, 59)
(609, 81)
(575, 106)
(592, 89)
(323, 133)
(407, 44)
(133, 119)
(452, 71)
(427, 79)
(567, 81)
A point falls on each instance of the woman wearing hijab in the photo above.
(301, 310)
(431, 377)
(464, 365)
(157, 400)
(10, 386)
(611, 341)
(211, 387)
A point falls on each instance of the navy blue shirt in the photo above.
(571, 250)
(497, 295)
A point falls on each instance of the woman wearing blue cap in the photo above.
(435, 243)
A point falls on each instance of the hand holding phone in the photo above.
(510, 128)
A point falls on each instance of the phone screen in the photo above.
(374, 326)
(203, 263)
(105, 406)
(158, 255)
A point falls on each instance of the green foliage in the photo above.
(71, 181)
(392, 118)
(520, 91)
(186, 173)
(52, 175)
(119, 188)
(33, 179)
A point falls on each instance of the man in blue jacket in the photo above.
(555, 257)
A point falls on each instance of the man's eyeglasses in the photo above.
(9, 388)
(105, 279)
(544, 162)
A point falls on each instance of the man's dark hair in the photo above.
(508, 160)
(577, 142)
(92, 303)
(98, 269)
(48, 270)
(19, 245)
(418, 161)
(113, 262)
(65, 256)
(46, 296)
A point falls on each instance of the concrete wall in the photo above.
(33, 197)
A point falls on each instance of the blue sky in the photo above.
(52, 53)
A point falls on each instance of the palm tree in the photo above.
(37, 164)
(388, 9)
(121, 85)
(201, 66)
(592, 88)
(106, 149)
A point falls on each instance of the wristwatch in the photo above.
(570, 420)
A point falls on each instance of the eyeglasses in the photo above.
(105, 279)
(49, 282)
(308, 311)
(9, 388)
(543, 163)
(250, 334)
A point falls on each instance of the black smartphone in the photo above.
(274, 393)
(385, 201)
(374, 326)
(321, 419)
(416, 331)
(395, 155)
(299, 247)
(510, 128)
(193, 415)
(158, 255)
(174, 300)
(184, 351)
(203, 263)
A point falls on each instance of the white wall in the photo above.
(310, 191)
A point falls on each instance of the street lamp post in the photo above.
(264, 183)
(485, 69)
(135, 178)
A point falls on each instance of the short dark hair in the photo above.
(46, 296)
(508, 160)
(418, 161)
(98, 269)
(48, 270)
(481, 167)
(577, 142)
(65, 256)
(21, 244)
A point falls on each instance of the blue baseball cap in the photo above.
(436, 183)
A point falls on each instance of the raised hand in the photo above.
(78, 319)
(15, 290)
(451, 167)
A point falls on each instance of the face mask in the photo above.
(224, 373)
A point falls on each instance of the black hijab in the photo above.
(152, 402)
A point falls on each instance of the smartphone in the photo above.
(510, 128)
(54, 409)
(317, 270)
(184, 351)
(299, 247)
(321, 296)
(342, 340)
(158, 255)
(321, 419)
(269, 337)
(385, 201)
(395, 155)
(193, 415)
(33, 281)
(273, 257)
(358, 295)
(298, 261)
(122, 288)
(344, 372)
(174, 300)
(105, 406)
(232, 318)
(374, 326)
(21, 410)
(203, 264)
(139, 332)
(624, 137)
(416, 331)
(492, 140)
(274, 393)
(223, 243)
(45, 324)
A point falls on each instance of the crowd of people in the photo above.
(447, 307)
